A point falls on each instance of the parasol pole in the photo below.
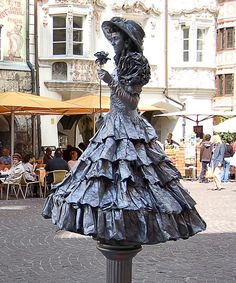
(100, 94)
(100, 61)
(34, 134)
(94, 119)
(12, 133)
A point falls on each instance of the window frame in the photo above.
(197, 46)
(224, 37)
(200, 51)
(221, 85)
(69, 41)
(81, 30)
(227, 38)
(59, 29)
(187, 41)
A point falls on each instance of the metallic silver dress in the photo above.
(124, 189)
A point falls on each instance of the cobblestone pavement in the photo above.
(32, 250)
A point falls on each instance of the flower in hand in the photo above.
(101, 58)
(104, 76)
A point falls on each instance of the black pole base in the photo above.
(119, 262)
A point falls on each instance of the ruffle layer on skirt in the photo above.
(125, 226)
(124, 188)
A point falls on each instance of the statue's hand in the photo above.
(104, 76)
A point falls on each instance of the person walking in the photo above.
(206, 149)
(124, 190)
(217, 161)
(226, 162)
(234, 145)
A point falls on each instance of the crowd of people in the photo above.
(16, 165)
(217, 157)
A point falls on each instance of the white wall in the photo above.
(189, 79)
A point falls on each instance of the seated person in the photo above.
(5, 158)
(16, 170)
(57, 163)
(48, 155)
(29, 174)
(66, 152)
(169, 142)
(73, 160)
(29, 165)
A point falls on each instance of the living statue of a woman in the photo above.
(124, 189)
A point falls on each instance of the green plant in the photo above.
(227, 136)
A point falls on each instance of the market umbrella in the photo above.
(18, 103)
(22, 103)
(228, 125)
(94, 102)
(197, 116)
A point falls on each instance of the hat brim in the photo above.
(108, 25)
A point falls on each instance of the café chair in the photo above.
(29, 186)
(14, 185)
(58, 176)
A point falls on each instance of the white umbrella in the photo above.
(228, 125)
(198, 115)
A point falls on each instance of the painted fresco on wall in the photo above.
(13, 22)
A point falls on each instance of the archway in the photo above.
(75, 129)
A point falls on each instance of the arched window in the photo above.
(59, 71)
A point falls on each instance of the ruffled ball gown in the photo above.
(124, 189)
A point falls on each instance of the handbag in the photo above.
(228, 159)
(209, 172)
(233, 160)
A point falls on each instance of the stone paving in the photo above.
(33, 250)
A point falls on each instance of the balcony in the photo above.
(72, 75)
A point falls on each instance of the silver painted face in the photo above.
(117, 41)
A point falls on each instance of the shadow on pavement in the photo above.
(32, 250)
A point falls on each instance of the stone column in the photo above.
(119, 262)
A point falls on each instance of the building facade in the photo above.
(180, 46)
(16, 65)
(190, 62)
(225, 96)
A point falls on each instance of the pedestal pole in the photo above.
(119, 262)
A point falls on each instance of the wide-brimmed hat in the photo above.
(17, 155)
(130, 27)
